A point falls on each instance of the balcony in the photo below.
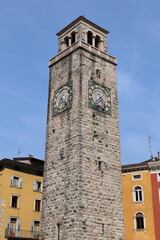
(20, 234)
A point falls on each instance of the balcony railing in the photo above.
(20, 234)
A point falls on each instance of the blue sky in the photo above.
(28, 39)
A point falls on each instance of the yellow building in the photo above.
(137, 198)
(20, 197)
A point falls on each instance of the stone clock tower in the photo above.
(82, 196)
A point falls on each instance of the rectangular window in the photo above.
(37, 205)
(158, 177)
(16, 181)
(137, 177)
(13, 227)
(14, 201)
(37, 186)
(35, 229)
(13, 223)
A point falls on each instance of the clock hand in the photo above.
(63, 100)
(99, 99)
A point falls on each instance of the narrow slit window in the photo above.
(58, 231)
(99, 165)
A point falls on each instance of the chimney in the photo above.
(158, 155)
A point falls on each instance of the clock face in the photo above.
(62, 99)
(99, 97)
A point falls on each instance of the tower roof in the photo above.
(81, 18)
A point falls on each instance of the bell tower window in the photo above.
(73, 37)
(97, 41)
(89, 37)
(66, 41)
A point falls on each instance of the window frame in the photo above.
(17, 201)
(37, 199)
(135, 222)
(13, 232)
(35, 234)
(136, 193)
(35, 186)
(136, 175)
(19, 185)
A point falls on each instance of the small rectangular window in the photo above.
(137, 177)
(14, 201)
(37, 205)
(98, 73)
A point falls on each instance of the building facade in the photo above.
(20, 197)
(141, 200)
(155, 183)
(82, 194)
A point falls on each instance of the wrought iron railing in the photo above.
(15, 233)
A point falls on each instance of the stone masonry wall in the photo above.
(82, 198)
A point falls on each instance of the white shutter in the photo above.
(11, 181)
(20, 182)
(35, 185)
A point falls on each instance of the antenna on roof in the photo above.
(19, 152)
(150, 151)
